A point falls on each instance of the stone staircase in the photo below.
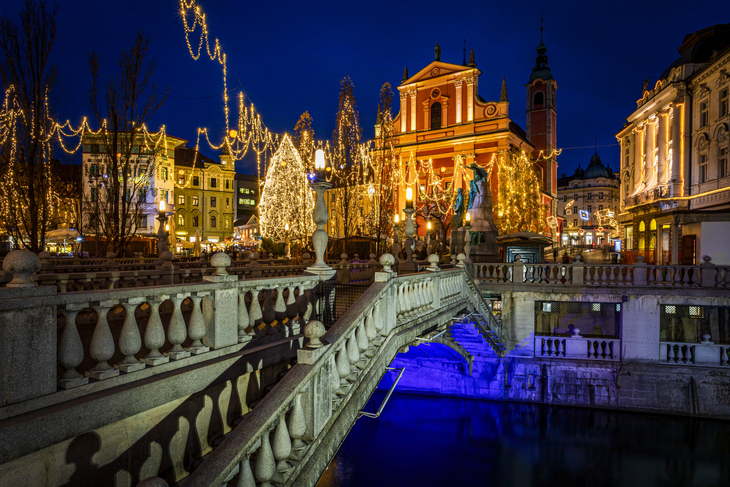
(466, 334)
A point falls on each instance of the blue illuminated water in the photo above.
(435, 441)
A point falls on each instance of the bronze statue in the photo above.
(438, 52)
(479, 175)
(459, 203)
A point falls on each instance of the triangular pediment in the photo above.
(438, 69)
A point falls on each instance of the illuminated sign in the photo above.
(584, 215)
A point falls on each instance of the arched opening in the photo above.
(642, 236)
(436, 116)
(652, 235)
(180, 220)
(213, 221)
(539, 99)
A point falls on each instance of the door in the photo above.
(687, 252)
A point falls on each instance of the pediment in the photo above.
(438, 69)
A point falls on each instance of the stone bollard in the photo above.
(433, 261)
(222, 330)
(22, 265)
(306, 259)
(639, 272)
(372, 259)
(343, 258)
(386, 260)
(315, 348)
(460, 258)
(110, 262)
(220, 261)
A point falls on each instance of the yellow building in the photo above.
(204, 196)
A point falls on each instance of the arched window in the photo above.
(642, 227)
(181, 220)
(212, 221)
(436, 116)
(652, 225)
(195, 220)
(539, 98)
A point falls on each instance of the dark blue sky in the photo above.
(290, 57)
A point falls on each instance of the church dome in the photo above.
(596, 169)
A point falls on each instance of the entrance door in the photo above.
(688, 252)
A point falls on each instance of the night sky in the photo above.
(290, 57)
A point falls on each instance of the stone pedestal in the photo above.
(484, 234)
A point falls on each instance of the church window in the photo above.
(539, 99)
(436, 116)
(704, 113)
(724, 102)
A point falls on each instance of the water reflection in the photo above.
(433, 441)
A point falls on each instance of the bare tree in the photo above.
(386, 165)
(116, 200)
(25, 153)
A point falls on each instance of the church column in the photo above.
(649, 148)
(457, 84)
(676, 158)
(444, 111)
(662, 143)
(469, 99)
(638, 158)
(674, 237)
(403, 112)
(412, 94)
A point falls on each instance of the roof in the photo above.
(698, 47)
(185, 156)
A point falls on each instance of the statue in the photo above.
(646, 85)
(459, 203)
(438, 52)
(479, 175)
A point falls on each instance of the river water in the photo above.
(436, 441)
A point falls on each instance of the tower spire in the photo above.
(405, 74)
(471, 58)
(503, 95)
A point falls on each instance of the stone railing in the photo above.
(85, 338)
(577, 347)
(706, 354)
(277, 442)
(706, 275)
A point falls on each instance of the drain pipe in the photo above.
(382, 406)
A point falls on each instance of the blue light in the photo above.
(584, 215)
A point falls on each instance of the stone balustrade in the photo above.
(703, 354)
(578, 348)
(705, 275)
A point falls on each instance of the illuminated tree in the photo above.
(26, 202)
(286, 198)
(304, 140)
(117, 199)
(386, 168)
(518, 206)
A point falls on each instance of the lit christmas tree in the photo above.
(286, 197)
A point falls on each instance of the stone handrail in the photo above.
(275, 441)
(682, 353)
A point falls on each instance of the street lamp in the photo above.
(410, 229)
(320, 214)
(162, 232)
(287, 247)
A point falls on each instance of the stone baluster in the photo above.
(255, 316)
(343, 366)
(282, 447)
(71, 352)
(196, 328)
(154, 335)
(362, 338)
(176, 330)
(243, 321)
(269, 314)
(380, 325)
(353, 355)
(245, 474)
(297, 423)
(727, 277)
(334, 378)
(651, 279)
(130, 341)
(678, 276)
(102, 344)
(265, 462)
(723, 356)
(280, 308)
(291, 307)
(370, 328)
(302, 305)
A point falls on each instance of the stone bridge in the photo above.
(214, 383)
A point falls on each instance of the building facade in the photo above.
(204, 196)
(589, 203)
(247, 197)
(675, 201)
(443, 118)
(149, 171)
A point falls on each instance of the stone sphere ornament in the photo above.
(22, 264)
(314, 330)
(387, 260)
(220, 261)
(433, 260)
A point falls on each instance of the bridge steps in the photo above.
(466, 335)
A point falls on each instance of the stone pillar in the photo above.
(674, 239)
(426, 112)
(659, 248)
(675, 178)
(404, 112)
(713, 168)
(469, 99)
(649, 151)
(413, 94)
(662, 142)
(222, 327)
(638, 159)
(459, 106)
(444, 111)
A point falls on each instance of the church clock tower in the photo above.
(541, 116)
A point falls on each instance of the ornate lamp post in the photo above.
(287, 247)
(396, 242)
(410, 229)
(162, 232)
(319, 215)
(467, 238)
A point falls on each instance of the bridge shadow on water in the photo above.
(427, 440)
